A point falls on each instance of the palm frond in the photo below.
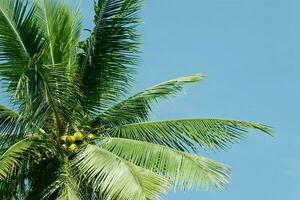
(11, 125)
(20, 41)
(45, 92)
(50, 87)
(65, 185)
(17, 154)
(22, 49)
(61, 27)
(136, 108)
(23, 167)
(12, 158)
(14, 186)
(189, 133)
(182, 169)
(116, 178)
(110, 53)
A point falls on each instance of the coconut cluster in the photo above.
(70, 142)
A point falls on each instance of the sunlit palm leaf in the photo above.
(116, 178)
(137, 107)
(183, 169)
(189, 133)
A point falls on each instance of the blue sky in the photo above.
(249, 51)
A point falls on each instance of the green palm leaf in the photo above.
(61, 27)
(116, 178)
(13, 187)
(137, 107)
(20, 41)
(17, 154)
(188, 133)
(38, 89)
(11, 125)
(50, 87)
(182, 169)
(110, 54)
(64, 184)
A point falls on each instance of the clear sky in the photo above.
(249, 51)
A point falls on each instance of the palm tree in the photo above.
(72, 132)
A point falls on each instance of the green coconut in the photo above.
(72, 148)
(64, 138)
(91, 136)
(71, 139)
(78, 136)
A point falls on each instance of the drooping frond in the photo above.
(116, 178)
(14, 185)
(188, 133)
(20, 41)
(19, 152)
(110, 53)
(137, 107)
(182, 169)
(11, 126)
(13, 157)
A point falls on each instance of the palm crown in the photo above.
(71, 133)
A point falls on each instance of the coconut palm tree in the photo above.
(71, 131)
